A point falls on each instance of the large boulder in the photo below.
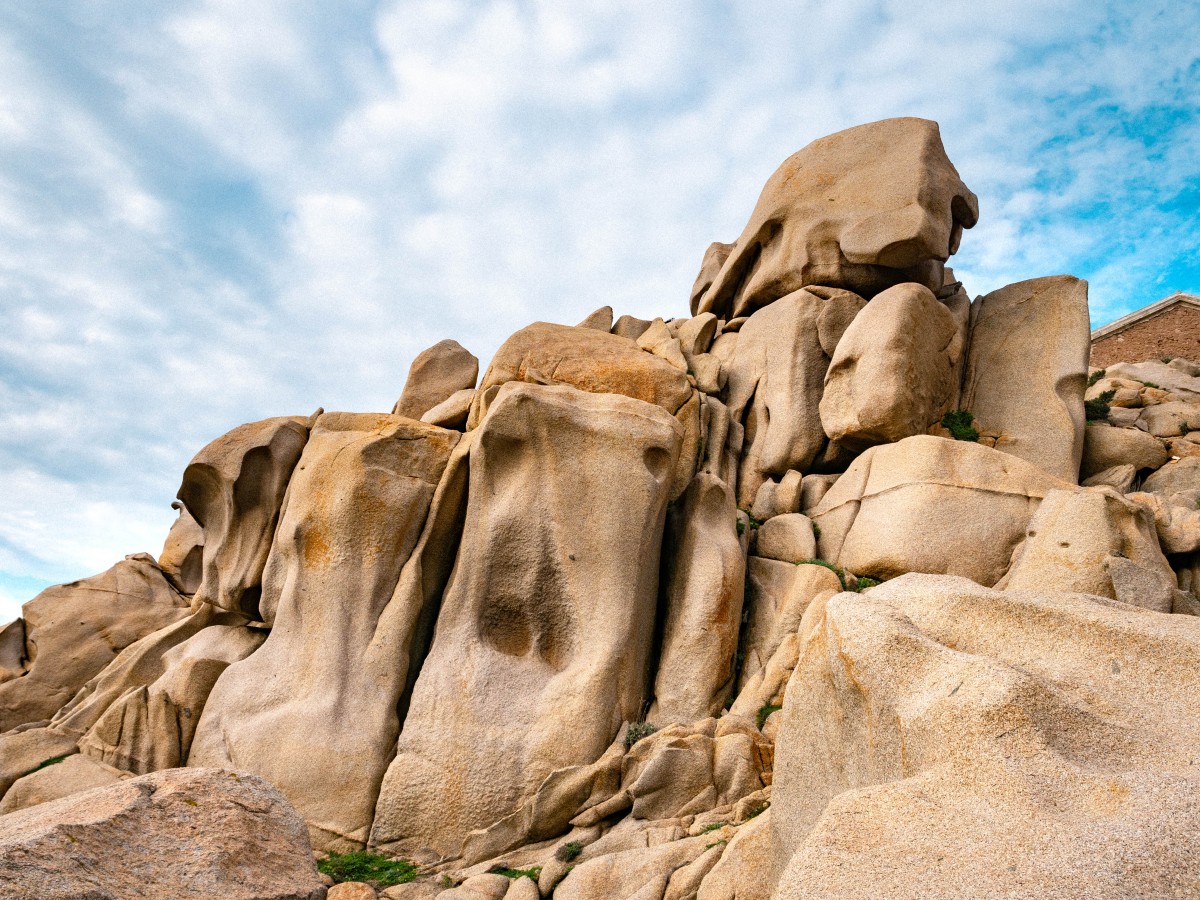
(1105, 446)
(363, 548)
(182, 556)
(943, 740)
(1177, 377)
(188, 834)
(233, 488)
(863, 209)
(1175, 477)
(73, 631)
(25, 750)
(543, 641)
(435, 376)
(1027, 370)
(895, 371)
(705, 573)
(930, 504)
(72, 775)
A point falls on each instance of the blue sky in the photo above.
(215, 212)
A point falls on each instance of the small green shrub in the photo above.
(741, 527)
(816, 530)
(754, 523)
(568, 851)
(1095, 376)
(373, 868)
(764, 713)
(713, 826)
(820, 562)
(46, 763)
(861, 583)
(637, 731)
(715, 844)
(958, 423)
(531, 873)
(1151, 384)
(1166, 359)
(757, 811)
(1096, 409)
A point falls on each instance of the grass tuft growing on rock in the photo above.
(373, 868)
(1096, 409)
(958, 423)
(54, 760)
(637, 731)
(1095, 376)
(530, 873)
(764, 713)
(568, 851)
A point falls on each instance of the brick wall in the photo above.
(1173, 332)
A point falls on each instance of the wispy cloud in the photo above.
(226, 210)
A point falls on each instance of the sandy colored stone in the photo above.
(1175, 477)
(1176, 519)
(1168, 420)
(1184, 446)
(620, 876)
(1093, 542)
(813, 489)
(451, 412)
(941, 739)
(523, 888)
(747, 867)
(630, 327)
(895, 371)
(151, 725)
(1120, 478)
(705, 576)
(436, 374)
(765, 686)
(710, 266)
(657, 339)
(186, 834)
(1105, 446)
(363, 548)
(601, 319)
(543, 640)
(73, 631)
(1176, 379)
(75, 774)
(930, 504)
(863, 209)
(351, 890)
(182, 555)
(479, 887)
(788, 537)
(234, 488)
(1026, 370)
(12, 650)
(23, 750)
(696, 335)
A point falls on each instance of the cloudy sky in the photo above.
(215, 212)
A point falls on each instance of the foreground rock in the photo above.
(182, 833)
(945, 740)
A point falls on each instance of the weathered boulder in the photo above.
(1169, 420)
(73, 775)
(183, 833)
(24, 750)
(945, 740)
(640, 874)
(1105, 447)
(1093, 542)
(863, 209)
(1027, 370)
(788, 537)
(1120, 478)
(364, 545)
(73, 631)
(1178, 379)
(436, 374)
(451, 412)
(930, 504)
(747, 868)
(1176, 519)
(705, 575)
(543, 640)
(233, 488)
(182, 556)
(1175, 477)
(150, 726)
(776, 377)
(895, 371)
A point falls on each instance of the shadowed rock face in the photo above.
(544, 637)
(233, 488)
(357, 562)
(863, 209)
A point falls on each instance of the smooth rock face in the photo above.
(72, 631)
(1105, 447)
(945, 740)
(788, 537)
(895, 370)
(543, 640)
(21, 752)
(73, 775)
(1175, 477)
(863, 209)
(182, 833)
(151, 726)
(930, 504)
(705, 581)
(356, 566)
(435, 375)
(1093, 542)
(233, 488)
(182, 556)
(1027, 370)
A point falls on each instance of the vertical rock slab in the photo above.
(436, 375)
(73, 631)
(895, 370)
(543, 642)
(864, 209)
(233, 488)
(705, 575)
(182, 556)
(357, 563)
(1027, 370)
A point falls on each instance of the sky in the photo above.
(215, 212)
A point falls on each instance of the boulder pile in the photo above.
(844, 586)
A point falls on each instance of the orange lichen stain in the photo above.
(1109, 796)
(316, 548)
